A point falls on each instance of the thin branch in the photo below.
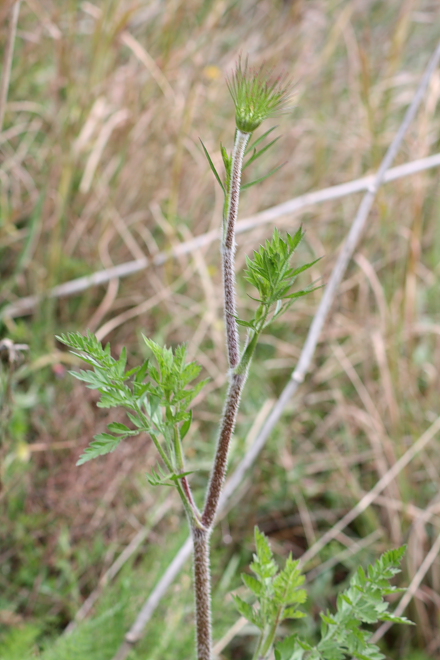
(25, 305)
(7, 66)
(298, 377)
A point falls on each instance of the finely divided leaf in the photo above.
(247, 611)
(290, 649)
(263, 565)
(342, 635)
(253, 584)
(104, 443)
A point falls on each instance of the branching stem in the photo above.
(239, 370)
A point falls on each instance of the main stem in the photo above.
(229, 247)
(202, 586)
(201, 531)
(227, 427)
(238, 371)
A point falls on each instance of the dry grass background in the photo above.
(101, 164)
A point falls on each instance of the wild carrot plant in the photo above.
(158, 394)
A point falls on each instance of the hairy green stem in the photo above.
(202, 590)
(239, 370)
(221, 458)
(229, 247)
(218, 473)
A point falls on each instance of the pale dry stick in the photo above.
(229, 636)
(358, 227)
(298, 376)
(109, 298)
(209, 319)
(25, 305)
(349, 552)
(412, 589)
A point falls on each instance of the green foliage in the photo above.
(227, 161)
(253, 147)
(156, 398)
(269, 271)
(160, 477)
(244, 186)
(279, 593)
(19, 643)
(213, 168)
(257, 153)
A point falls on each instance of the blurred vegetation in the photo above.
(100, 165)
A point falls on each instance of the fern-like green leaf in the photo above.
(104, 443)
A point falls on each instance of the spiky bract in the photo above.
(257, 95)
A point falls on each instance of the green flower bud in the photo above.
(257, 96)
